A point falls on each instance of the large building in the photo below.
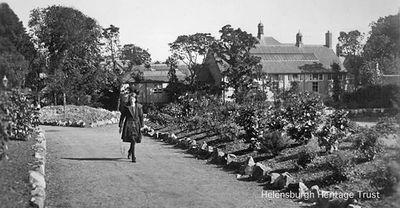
(284, 63)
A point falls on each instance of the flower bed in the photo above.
(296, 141)
(77, 116)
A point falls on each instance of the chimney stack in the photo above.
(260, 30)
(299, 41)
(328, 39)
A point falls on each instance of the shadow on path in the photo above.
(93, 158)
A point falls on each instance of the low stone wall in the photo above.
(37, 174)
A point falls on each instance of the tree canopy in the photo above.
(16, 50)
(191, 50)
(242, 68)
(383, 45)
(71, 40)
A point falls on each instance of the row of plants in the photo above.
(18, 117)
(298, 116)
(76, 116)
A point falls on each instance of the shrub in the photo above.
(24, 116)
(342, 166)
(18, 117)
(305, 157)
(367, 144)
(375, 96)
(301, 111)
(333, 128)
(248, 117)
(386, 178)
(273, 142)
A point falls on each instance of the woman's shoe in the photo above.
(133, 159)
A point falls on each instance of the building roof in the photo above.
(156, 73)
(278, 58)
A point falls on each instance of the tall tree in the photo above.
(383, 45)
(242, 68)
(350, 46)
(71, 40)
(16, 49)
(191, 49)
(112, 47)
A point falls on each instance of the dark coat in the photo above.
(131, 120)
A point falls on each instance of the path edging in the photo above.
(37, 173)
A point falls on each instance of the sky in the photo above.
(152, 24)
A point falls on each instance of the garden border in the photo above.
(37, 174)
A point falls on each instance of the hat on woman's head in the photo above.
(132, 89)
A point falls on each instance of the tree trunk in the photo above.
(55, 98)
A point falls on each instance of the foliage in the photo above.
(305, 157)
(383, 44)
(191, 49)
(367, 144)
(350, 44)
(19, 117)
(241, 67)
(175, 88)
(16, 50)
(375, 96)
(79, 116)
(301, 113)
(386, 177)
(71, 42)
(135, 55)
(333, 128)
(273, 142)
(342, 166)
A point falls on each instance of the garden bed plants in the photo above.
(293, 140)
(77, 116)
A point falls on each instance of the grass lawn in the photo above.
(14, 177)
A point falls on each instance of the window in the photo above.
(158, 88)
(317, 77)
(329, 76)
(295, 77)
(315, 86)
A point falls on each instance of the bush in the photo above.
(22, 114)
(305, 157)
(302, 112)
(367, 144)
(18, 117)
(273, 142)
(376, 96)
(386, 177)
(333, 128)
(342, 166)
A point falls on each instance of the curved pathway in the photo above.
(86, 168)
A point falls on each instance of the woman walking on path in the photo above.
(131, 122)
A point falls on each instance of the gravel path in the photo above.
(86, 168)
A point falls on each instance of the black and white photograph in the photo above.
(199, 104)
